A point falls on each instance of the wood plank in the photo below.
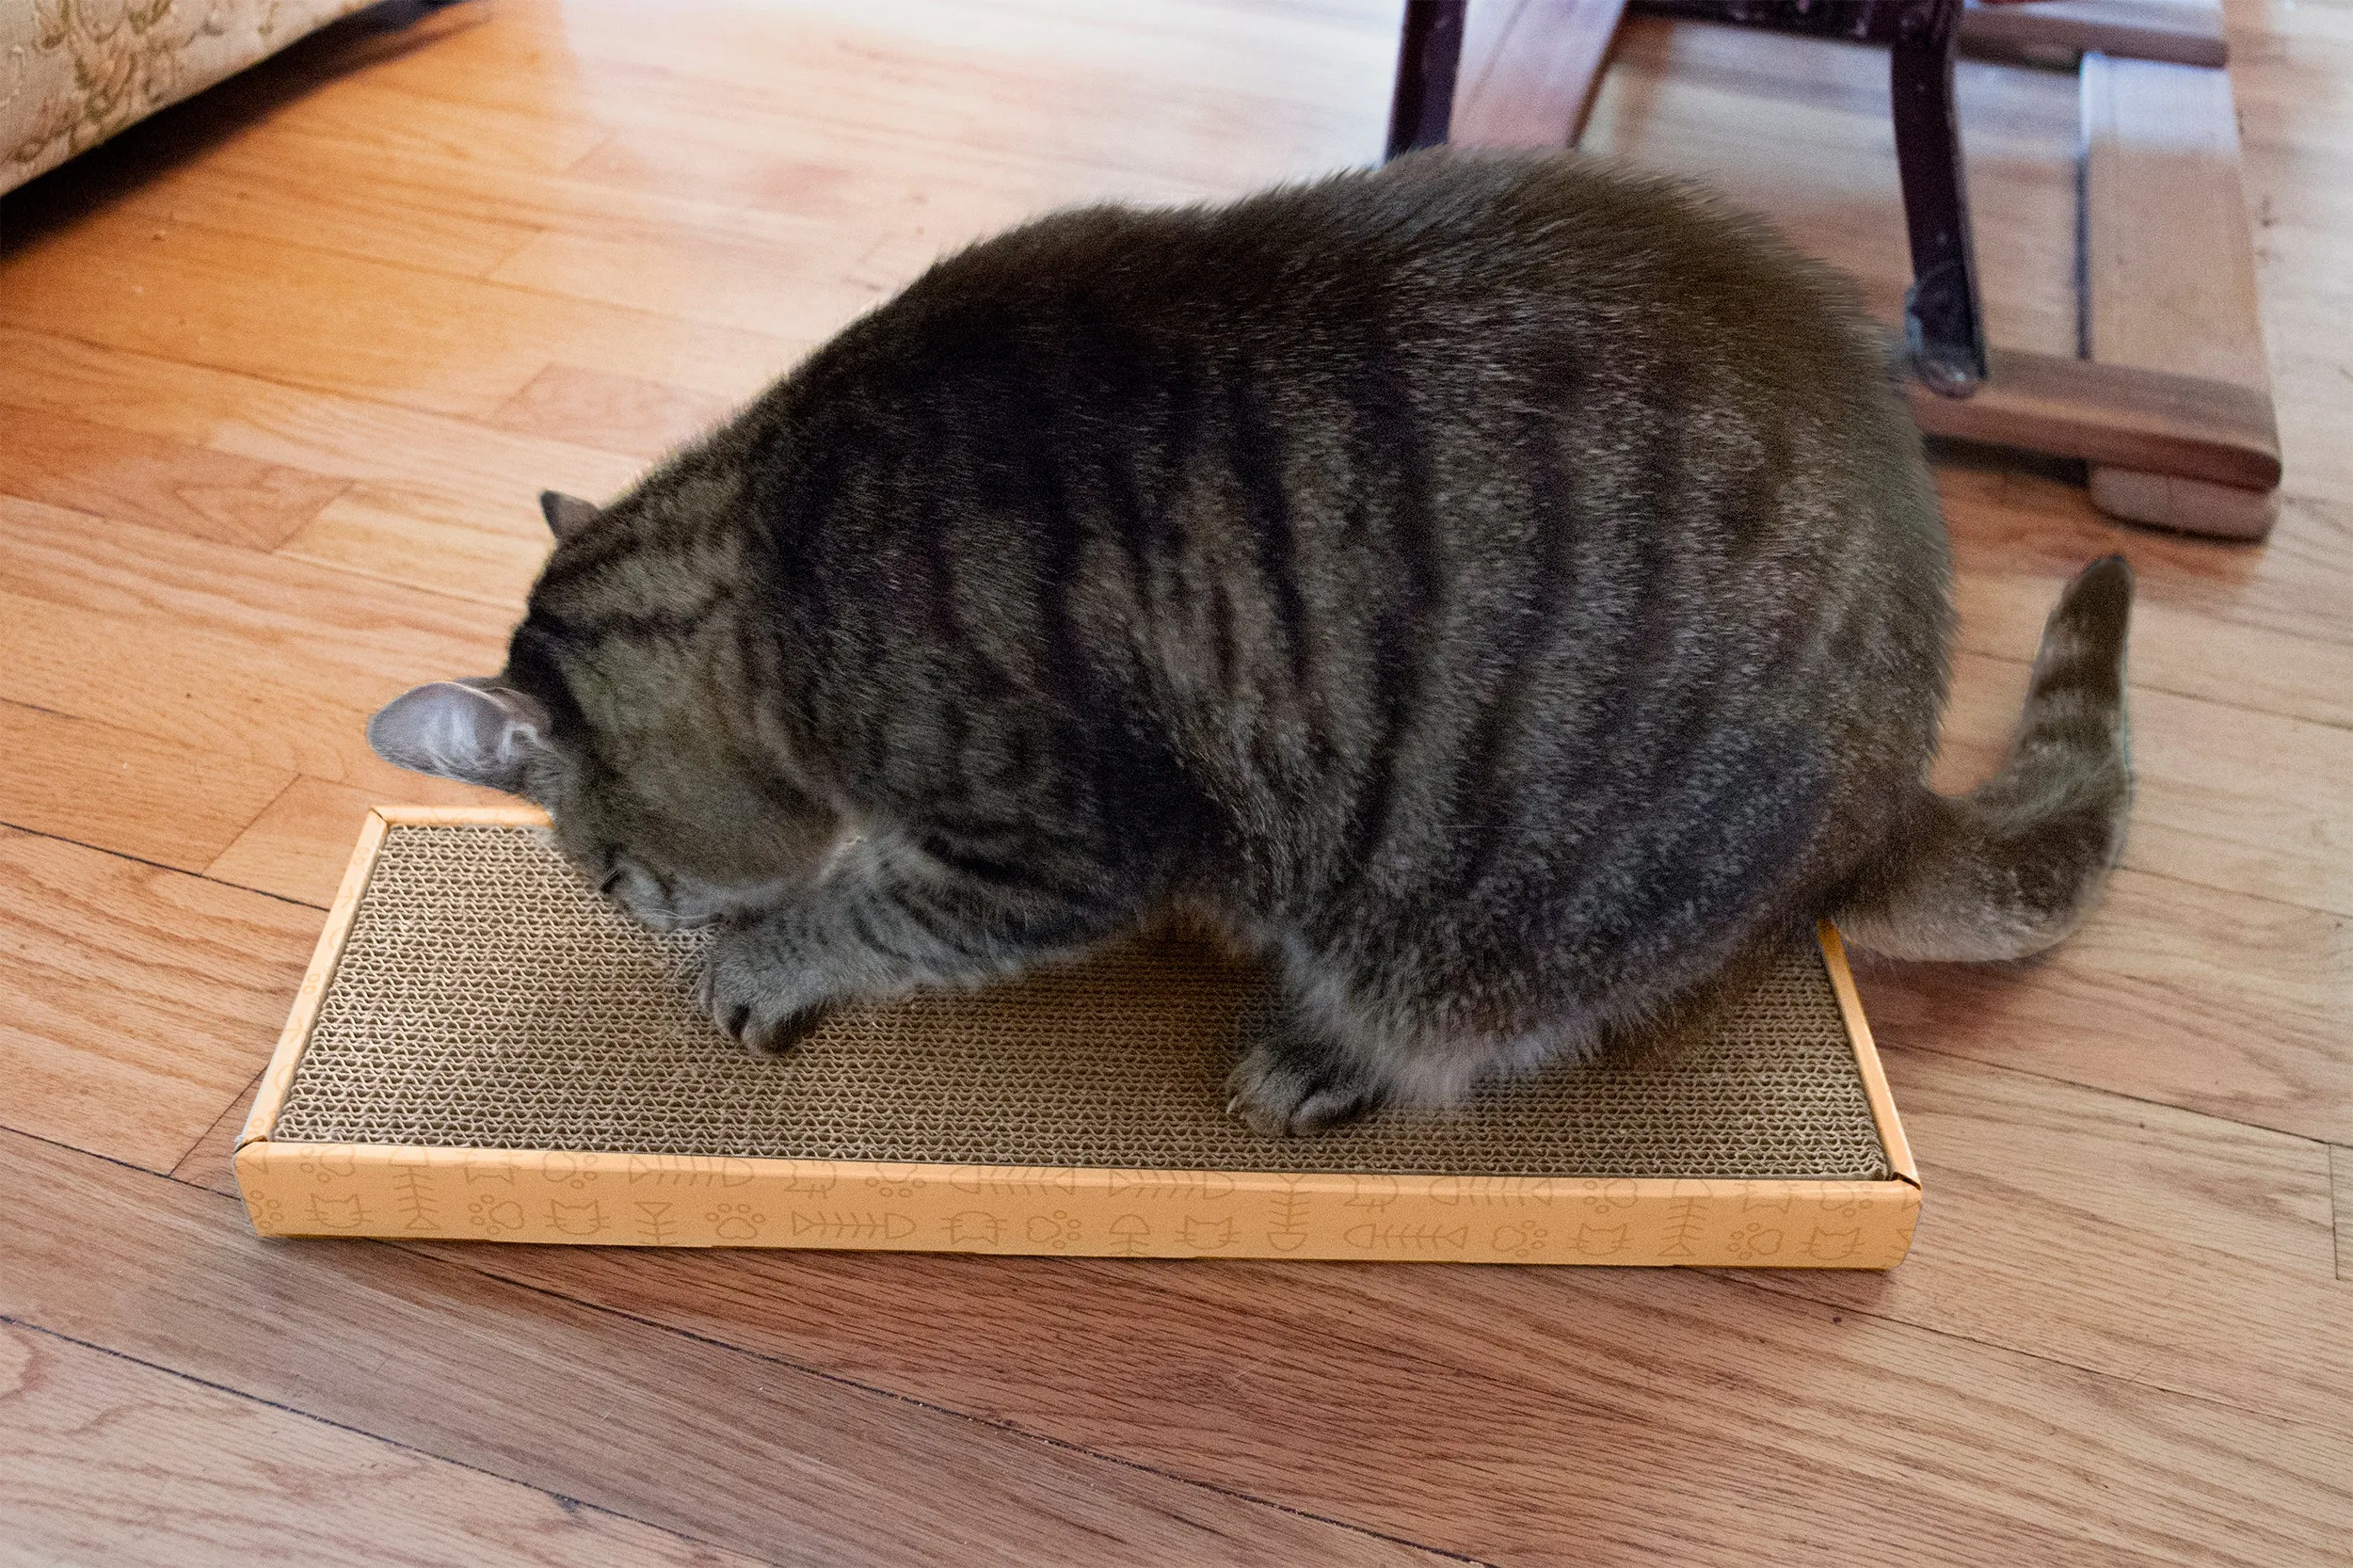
(1530, 69)
(2171, 992)
(2188, 1183)
(313, 318)
(739, 1450)
(799, 296)
(106, 1460)
(2166, 1249)
(118, 789)
(2143, 419)
(239, 189)
(274, 661)
(165, 484)
(297, 848)
(1646, 1416)
(455, 462)
(211, 1163)
(2168, 268)
(134, 1001)
(612, 413)
(2186, 31)
(2177, 648)
(1153, 94)
(2015, 521)
(2200, 815)
(486, 550)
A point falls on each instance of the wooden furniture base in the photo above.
(2170, 401)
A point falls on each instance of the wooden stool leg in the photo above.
(1944, 325)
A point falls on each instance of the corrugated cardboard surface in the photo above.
(485, 1049)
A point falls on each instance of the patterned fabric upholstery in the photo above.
(74, 72)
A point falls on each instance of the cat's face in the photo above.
(660, 811)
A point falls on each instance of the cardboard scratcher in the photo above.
(483, 1048)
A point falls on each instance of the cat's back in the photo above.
(1517, 255)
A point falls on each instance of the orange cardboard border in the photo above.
(619, 1198)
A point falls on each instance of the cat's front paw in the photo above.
(1284, 1090)
(754, 998)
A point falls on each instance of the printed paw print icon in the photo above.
(1521, 1239)
(495, 1216)
(1754, 1241)
(735, 1222)
(1057, 1230)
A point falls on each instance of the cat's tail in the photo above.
(2013, 867)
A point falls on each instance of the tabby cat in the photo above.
(1505, 592)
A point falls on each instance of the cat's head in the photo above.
(658, 792)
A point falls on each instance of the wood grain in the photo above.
(134, 1001)
(744, 1452)
(118, 789)
(2168, 270)
(2218, 1002)
(496, 473)
(2198, 813)
(424, 340)
(421, 536)
(2145, 421)
(2118, 1340)
(2341, 1165)
(276, 662)
(1645, 1416)
(165, 484)
(612, 413)
(2177, 648)
(105, 1460)
(297, 848)
(2159, 1248)
(1530, 69)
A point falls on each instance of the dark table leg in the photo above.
(1428, 57)
(1944, 325)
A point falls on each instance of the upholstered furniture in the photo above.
(74, 72)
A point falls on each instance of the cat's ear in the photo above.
(475, 733)
(567, 514)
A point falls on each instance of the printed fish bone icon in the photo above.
(1128, 1234)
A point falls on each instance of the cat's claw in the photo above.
(761, 1018)
(1278, 1098)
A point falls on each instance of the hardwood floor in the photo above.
(280, 375)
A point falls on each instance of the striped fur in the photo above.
(1506, 593)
